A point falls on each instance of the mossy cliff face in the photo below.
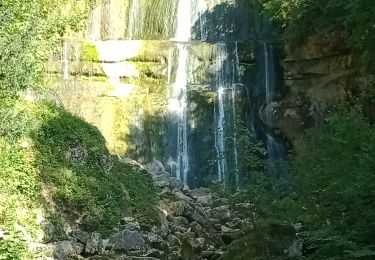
(125, 87)
(318, 75)
(132, 19)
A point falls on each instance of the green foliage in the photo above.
(89, 53)
(30, 32)
(335, 177)
(46, 150)
(298, 19)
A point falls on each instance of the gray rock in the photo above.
(177, 208)
(94, 244)
(162, 225)
(180, 221)
(155, 168)
(197, 228)
(129, 223)
(153, 252)
(161, 181)
(66, 250)
(229, 235)
(173, 241)
(235, 223)
(206, 200)
(182, 196)
(155, 241)
(186, 235)
(127, 240)
(222, 213)
(199, 192)
(175, 183)
(49, 231)
(130, 161)
(195, 213)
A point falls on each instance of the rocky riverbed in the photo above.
(189, 224)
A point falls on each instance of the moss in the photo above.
(37, 146)
(89, 53)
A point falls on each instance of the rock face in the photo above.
(126, 240)
(67, 250)
(317, 75)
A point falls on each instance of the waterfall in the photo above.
(202, 9)
(235, 72)
(183, 21)
(178, 100)
(275, 150)
(226, 65)
(133, 21)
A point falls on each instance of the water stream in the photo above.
(178, 101)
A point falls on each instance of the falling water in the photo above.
(202, 7)
(133, 23)
(178, 100)
(183, 33)
(235, 68)
(226, 64)
(274, 148)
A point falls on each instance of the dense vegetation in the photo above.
(330, 193)
(54, 167)
(353, 19)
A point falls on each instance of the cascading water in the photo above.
(226, 64)
(275, 149)
(178, 101)
(202, 9)
(134, 20)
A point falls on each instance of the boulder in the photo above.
(94, 244)
(48, 231)
(206, 200)
(153, 252)
(199, 192)
(222, 213)
(160, 181)
(162, 225)
(156, 168)
(180, 221)
(127, 240)
(155, 241)
(176, 208)
(173, 241)
(130, 223)
(175, 183)
(195, 213)
(65, 250)
(229, 235)
(182, 196)
(197, 228)
(80, 236)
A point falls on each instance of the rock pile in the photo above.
(190, 224)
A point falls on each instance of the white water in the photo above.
(221, 56)
(275, 149)
(202, 8)
(183, 33)
(178, 100)
(227, 74)
(234, 89)
(267, 72)
(133, 18)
